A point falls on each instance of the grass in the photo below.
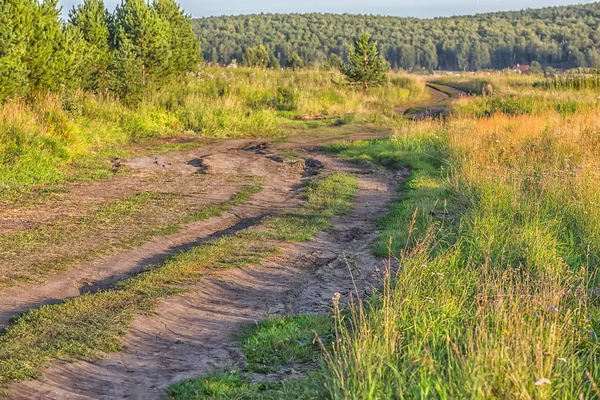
(496, 296)
(279, 341)
(235, 385)
(92, 324)
(116, 225)
(74, 135)
(268, 345)
(422, 147)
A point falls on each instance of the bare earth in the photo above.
(192, 334)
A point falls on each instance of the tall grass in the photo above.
(73, 135)
(498, 296)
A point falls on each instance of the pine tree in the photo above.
(125, 77)
(366, 66)
(295, 61)
(140, 34)
(90, 22)
(183, 42)
(46, 56)
(14, 79)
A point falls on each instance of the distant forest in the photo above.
(563, 37)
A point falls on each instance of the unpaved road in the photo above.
(438, 104)
(191, 335)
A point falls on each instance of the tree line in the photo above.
(123, 52)
(562, 37)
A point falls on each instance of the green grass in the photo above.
(279, 341)
(92, 324)
(268, 345)
(496, 297)
(237, 386)
(131, 221)
(43, 142)
(422, 198)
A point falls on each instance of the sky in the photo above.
(402, 8)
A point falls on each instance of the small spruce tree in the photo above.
(14, 80)
(183, 42)
(138, 29)
(366, 66)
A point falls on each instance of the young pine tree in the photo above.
(366, 66)
(14, 79)
(141, 47)
(183, 42)
(90, 22)
(125, 77)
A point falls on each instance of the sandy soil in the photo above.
(192, 334)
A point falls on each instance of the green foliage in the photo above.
(33, 48)
(366, 67)
(536, 68)
(279, 341)
(142, 49)
(134, 48)
(295, 61)
(559, 36)
(256, 57)
(184, 44)
(13, 72)
(91, 20)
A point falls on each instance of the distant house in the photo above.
(519, 69)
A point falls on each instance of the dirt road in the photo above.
(192, 334)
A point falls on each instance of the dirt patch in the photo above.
(438, 105)
(226, 174)
(190, 335)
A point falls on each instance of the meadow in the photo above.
(492, 287)
(73, 136)
(496, 233)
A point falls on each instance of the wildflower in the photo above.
(550, 307)
(542, 381)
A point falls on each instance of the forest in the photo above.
(561, 37)
(124, 52)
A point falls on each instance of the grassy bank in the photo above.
(497, 292)
(74, 135)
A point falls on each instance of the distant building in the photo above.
(519, 69)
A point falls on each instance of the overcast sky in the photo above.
(404, 8)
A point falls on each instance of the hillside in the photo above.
(564, 37)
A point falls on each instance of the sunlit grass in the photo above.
(496, 293)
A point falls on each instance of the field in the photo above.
(265, 234)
